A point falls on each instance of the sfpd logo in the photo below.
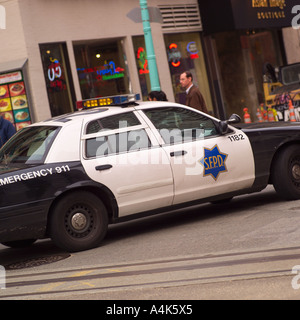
(214, 162)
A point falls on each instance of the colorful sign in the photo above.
(107, 72)
(55, 75)
(192, 50)
(142, 61)
(110, 71)
(174, 55)
(13, 99)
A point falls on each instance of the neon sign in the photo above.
(107, 72)
(54, 70)
(55, 75)
(111, 72)
(142, 61)
(174, 55)
(192, 50)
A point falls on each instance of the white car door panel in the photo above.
(137, 184)
(204, 163)
(210, 167)
(131, 164)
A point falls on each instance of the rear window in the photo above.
(28, 146)
(123, 120)
(290, 74)
(134, 140)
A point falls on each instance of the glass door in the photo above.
(58, 79)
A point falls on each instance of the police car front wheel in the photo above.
(286, 173)
(78, 221)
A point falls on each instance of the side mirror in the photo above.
(223, 125)
(234, 118)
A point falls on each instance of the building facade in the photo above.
(55, 53)
(241, 36)
(65, 51)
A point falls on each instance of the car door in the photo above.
(120, 152)
(204, 162)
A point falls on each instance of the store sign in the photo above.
(174, 55)
(10, 77)
(262, 13)
(224, 15)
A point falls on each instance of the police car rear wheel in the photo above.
(78, 222)
(286, 173)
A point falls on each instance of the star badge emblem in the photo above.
(214, 162)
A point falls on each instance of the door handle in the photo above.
(103, 167)
(178, 153)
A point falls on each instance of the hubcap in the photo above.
(296, 171)
(79, 221)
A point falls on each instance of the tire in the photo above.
(19, 243)
(78, 222)
(286, 173)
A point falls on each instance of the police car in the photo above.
(69, 177)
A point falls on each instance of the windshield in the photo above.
(290, 74)
(28, 146)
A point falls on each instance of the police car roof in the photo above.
(99, 112)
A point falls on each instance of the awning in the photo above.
(12, 65)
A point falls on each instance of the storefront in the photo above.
(240, 37)
(83, 49)
(101, 67)
(181, 29)
(93, 49)
(184, 53)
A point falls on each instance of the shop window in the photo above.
(142, 65)
(241, 57)
(58, 79)
(101, 68)
(184, 53)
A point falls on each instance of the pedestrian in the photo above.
(194, 97)
(157, 96)
(7, 130)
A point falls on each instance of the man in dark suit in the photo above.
(194, 97)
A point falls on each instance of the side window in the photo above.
(180, 125)
(133, 140)
(117, 121)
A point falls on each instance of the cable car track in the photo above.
(168, 272)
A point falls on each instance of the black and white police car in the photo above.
(68, 178)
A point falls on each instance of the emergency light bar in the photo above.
(121, 100)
